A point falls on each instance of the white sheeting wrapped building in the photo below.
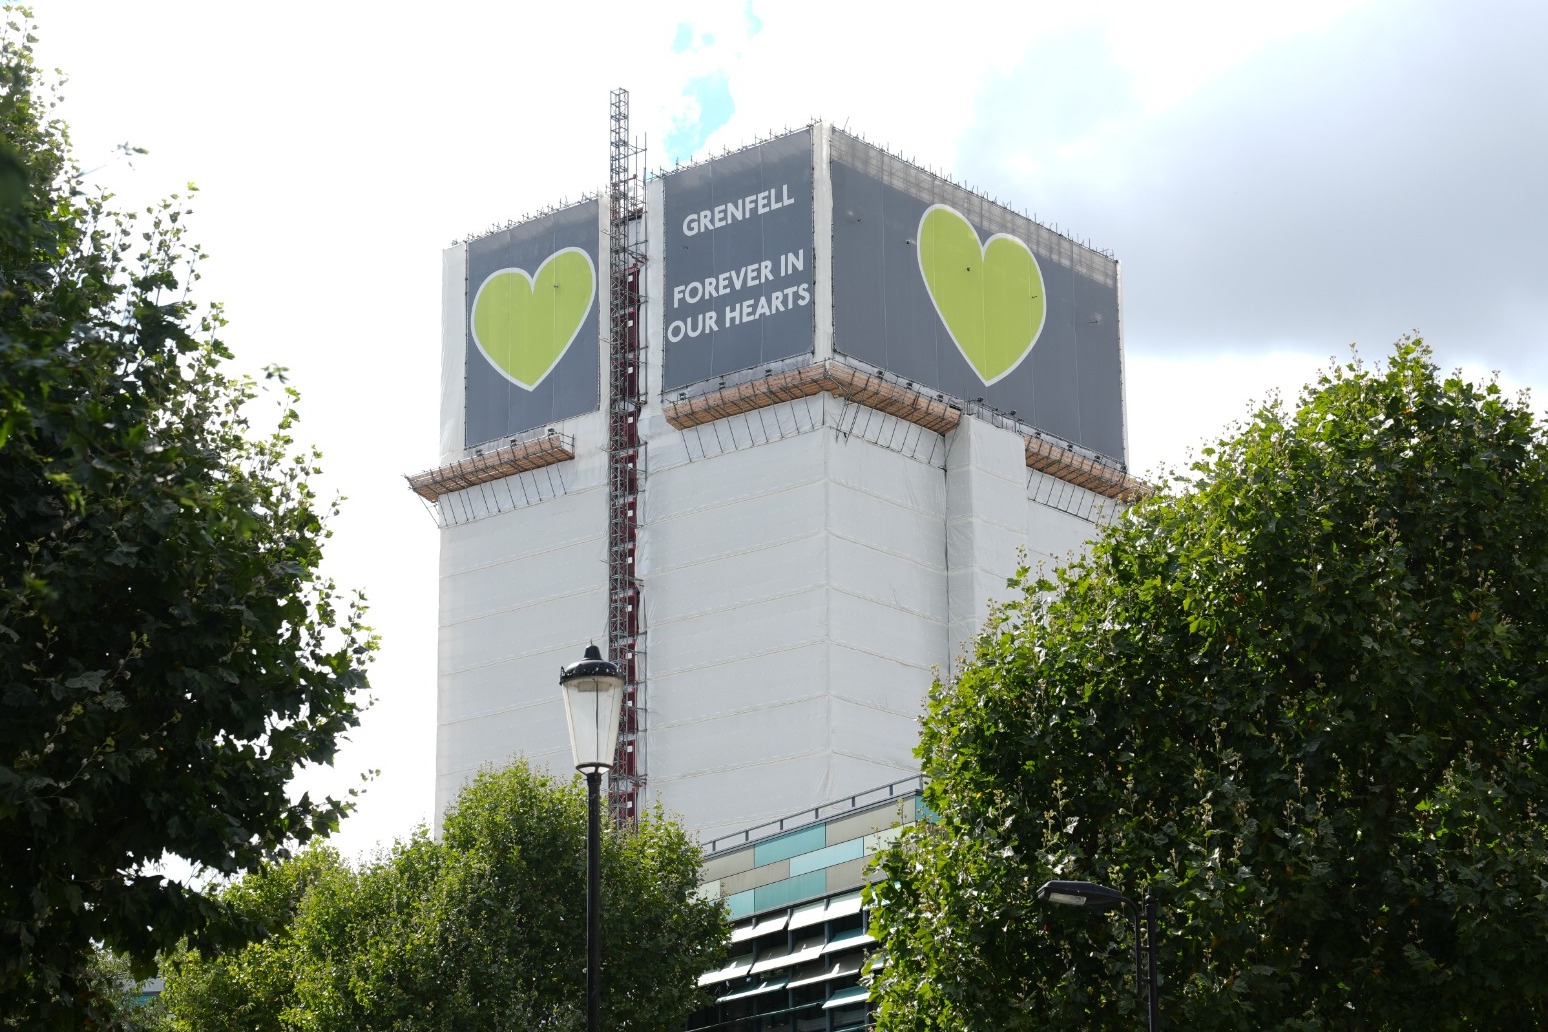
(823, 494)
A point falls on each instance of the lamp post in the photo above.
(593, 696)
(1100, 897)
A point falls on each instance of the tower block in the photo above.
(859, 396)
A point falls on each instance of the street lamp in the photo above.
(1100, 897)
(593, 696)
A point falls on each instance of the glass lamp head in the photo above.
(593, 699)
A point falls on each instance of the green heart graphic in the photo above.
(990, 297)
(524, 325)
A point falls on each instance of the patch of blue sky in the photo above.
(712, 95)
(754, 23)
(684, 39)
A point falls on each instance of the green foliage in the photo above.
(108, 995)
(122, 1002)
(253, 994)
(1303, 699)
(169, 655)
(484, 929)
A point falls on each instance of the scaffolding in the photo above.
(496, 463)
(875, 391)
(626, 456)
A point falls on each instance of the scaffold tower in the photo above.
(626, 454)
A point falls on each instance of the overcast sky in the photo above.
(1279, 181)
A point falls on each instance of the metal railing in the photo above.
(879, 796)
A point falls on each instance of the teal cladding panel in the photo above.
(821, 858)
(791, 890)
(740, 905)
(792, 844)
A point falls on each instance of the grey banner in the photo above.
(885, 314)
(738, 261)
(533, 348)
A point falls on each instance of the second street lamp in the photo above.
(1100, 897)
(593, 698)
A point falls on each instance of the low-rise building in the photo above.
(800, 939)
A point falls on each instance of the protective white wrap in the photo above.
(985, 522)
(796, 604)
(807, 569)
(522, 594)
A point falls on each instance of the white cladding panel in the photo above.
(727, 745)
(762, 566)
(849, 769)
(887, 579)
(467, 596)
(522, 593)
(874, 736)
(869, 626)
(985, 523)
(721, 812)
(886, 524)
(726, 635)
(689, 537)
(879, 681)
(1055, 537)
(713, 690)
(777, 570)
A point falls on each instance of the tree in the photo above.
(484, 929)
(125, 1003)
(169, 653)
(252, 985)
(113, 997)
(1302, 698)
